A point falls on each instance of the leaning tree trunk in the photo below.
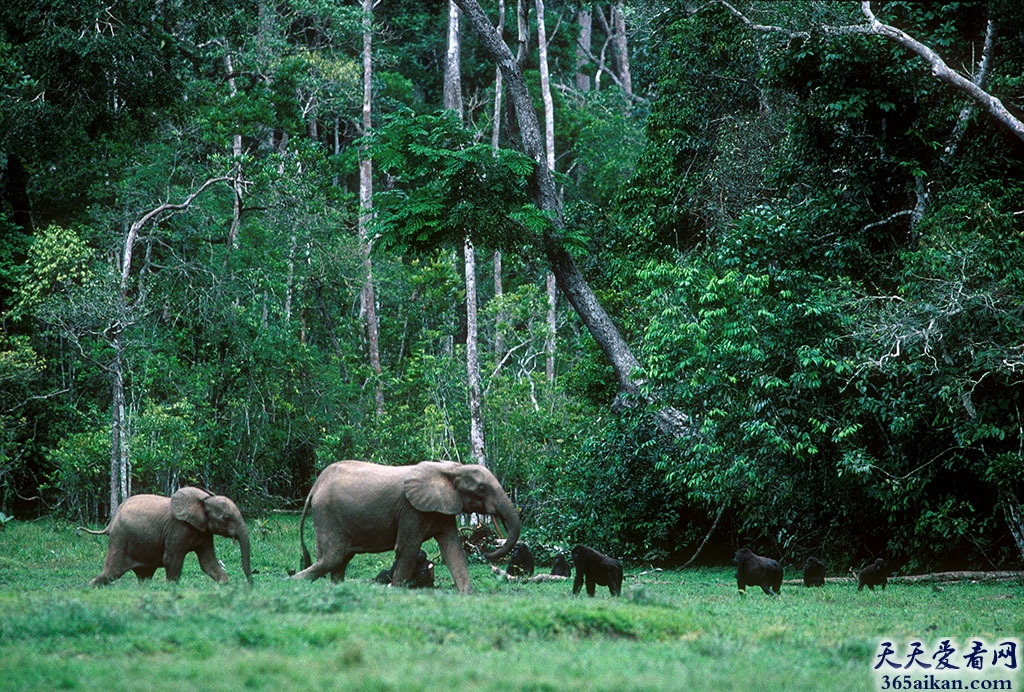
(571, 281)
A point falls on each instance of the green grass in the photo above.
(670, 630)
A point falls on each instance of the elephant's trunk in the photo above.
(506, 512)
(243, 544)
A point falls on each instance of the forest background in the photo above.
(224, 262)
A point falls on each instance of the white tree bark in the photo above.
(499, 337)
(453, 101)
(476, 419)
(550, 343)
(620, 46)
(585, 18)
(368, 296)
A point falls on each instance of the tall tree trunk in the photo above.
(499, 292)
(585, 19)
(452, 96)
(499, 337)
(453, 101)
(570, 280)
(120, 450)
(369, 300)
(620, 48)
(476, 418)
(549, 150)
(236, 152)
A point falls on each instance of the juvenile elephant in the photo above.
(151, 531)
(359, 507)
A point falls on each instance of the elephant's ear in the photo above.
(187, 506)
(429, 488)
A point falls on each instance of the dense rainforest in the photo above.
(686, 275)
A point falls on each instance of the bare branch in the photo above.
(965, 113)
(133, 230)
(938, 66)
(36, 397)
(601, 67)
(882, 222)
(761, 27)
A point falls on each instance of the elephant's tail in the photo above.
(104, 532)
(306, 559)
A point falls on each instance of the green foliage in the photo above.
(59, 261)
(448, 187)
(167, 446)
(81, 472)
(607, 491)
(20, 369)
(607, 140)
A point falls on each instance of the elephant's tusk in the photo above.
(498, 528)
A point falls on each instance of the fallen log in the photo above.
(932, 578)
(937, 577)
(499, 572)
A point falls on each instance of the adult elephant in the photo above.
(359, 507)
(152, 531)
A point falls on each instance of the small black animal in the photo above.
(560, 566)
(422, 579)
(596, 568)
(754, 570)
(814, 572)
(520, 561)
(875, 574)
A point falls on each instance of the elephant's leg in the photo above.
(144, 573)
(329, 562)
(173, 562)
(338, 573)
(103, 578)
(115, 565)
(453, 556)
(208, 563)
(405, 565)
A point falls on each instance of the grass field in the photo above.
(670, 630)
